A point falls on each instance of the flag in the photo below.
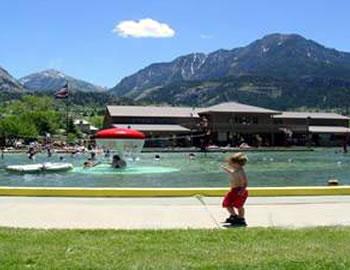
(63, 92)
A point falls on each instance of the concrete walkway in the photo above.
(154, 213)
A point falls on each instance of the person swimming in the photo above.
(118, 163)
(90, 163)
(191, 156)
(107, 153)
(31, 153)
(157, 157)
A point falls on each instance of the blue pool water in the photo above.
(284, 168)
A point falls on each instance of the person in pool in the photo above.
(31, 153)
(191, 156)
(48, 149)
(238, 194)
(93, 155)
(90, 163)
(118, 163)
(107, 153)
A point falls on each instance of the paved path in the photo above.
(146, 213)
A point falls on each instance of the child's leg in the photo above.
(241, 212)
(231, 210)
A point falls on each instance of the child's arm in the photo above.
(227, 169)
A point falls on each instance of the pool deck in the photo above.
(169, 213)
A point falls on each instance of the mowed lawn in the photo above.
(249, 248)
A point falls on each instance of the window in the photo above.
(278, 121)
(246, 120)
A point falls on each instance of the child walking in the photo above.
(236, 197)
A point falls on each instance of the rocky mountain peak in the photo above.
(287, 58)
(53, 73)
(9, 83)
(51, 80)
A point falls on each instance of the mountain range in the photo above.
(279, 71)
(45, 81)
(51, 80)
(9, 83)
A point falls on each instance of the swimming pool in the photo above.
(264, 169)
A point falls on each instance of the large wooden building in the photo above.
(231, 124)
(156, 122)
(316, 128)
(234, 123)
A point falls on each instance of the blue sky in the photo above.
(77, 36)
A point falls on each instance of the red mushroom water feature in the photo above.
(126, 142)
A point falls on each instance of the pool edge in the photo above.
(170, 192)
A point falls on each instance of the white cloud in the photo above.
(144, 28)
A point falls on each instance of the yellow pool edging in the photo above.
(170, 192)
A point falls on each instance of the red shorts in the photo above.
(234, 199)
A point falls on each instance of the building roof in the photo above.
(152, 111)
(145, 127)
(312, 115)
(235, 107)
(329, 129)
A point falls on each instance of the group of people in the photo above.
(191, 156)
(33, 151)
(117, 161)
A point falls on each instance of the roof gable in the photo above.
(235, 107)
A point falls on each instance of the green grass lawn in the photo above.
(317, 248)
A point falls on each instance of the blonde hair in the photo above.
(239, 158)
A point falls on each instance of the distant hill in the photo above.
(52, 80)
(9, 83)
(279, 70)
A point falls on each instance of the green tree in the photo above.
(29, 117)
(17, 127)
(45, 121)
(71, 138)
(96, 121)
(71, 128)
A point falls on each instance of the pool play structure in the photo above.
(125, 142)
